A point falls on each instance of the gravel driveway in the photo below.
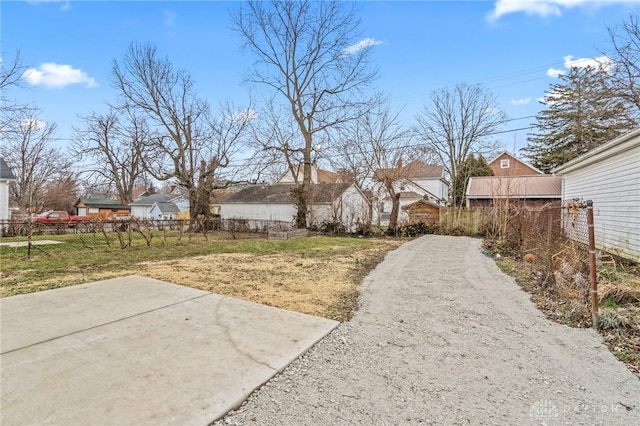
(443, 337)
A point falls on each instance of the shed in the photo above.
(609, 175)
(101, 208)
(423, 211)
(6, 176)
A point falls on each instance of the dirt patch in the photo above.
(321, 281)
(314, 286)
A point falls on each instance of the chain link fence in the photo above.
(555, 243)
(22, 238)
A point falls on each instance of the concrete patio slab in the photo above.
(135, 350)
(15, 244)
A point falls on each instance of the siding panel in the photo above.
(613, 184)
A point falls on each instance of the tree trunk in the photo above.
(393, 218)
(300, 195)
(302, 192)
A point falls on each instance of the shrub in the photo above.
(417, 229)
(610, 320)
(333, 228)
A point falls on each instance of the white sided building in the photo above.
(609, 175)
(6, 176)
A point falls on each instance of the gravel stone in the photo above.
(442, 336)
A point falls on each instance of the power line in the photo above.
(247, 162)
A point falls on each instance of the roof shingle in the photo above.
(5, 171)
(534, 186)
(281, 194)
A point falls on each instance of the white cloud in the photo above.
(524, 101)
(603, 62)
(66, 4)
(362, 44)
(244, 115)
(544, 8)
(555, 73)
(530, 7)
(55, 75)
(33, 124)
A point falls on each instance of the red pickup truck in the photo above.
(60, 218)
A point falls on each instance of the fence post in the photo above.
(593, 291)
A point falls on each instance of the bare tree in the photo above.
(113, 146)
(186, 144)
(11, 75)
(378, 141)
(277, 143)
(306, 57)
(61, 192)
(457, 122)
(26, 148)
(625, 52)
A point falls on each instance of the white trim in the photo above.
(609, 149)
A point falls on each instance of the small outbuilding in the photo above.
(101, 208)
(609, 175)
(423, 211)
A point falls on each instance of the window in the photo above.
(504, 164)
(402, 186)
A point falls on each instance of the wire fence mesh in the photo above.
(21, 238)
(553, 242)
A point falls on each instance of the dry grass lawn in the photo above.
(321, 281)
(321, 287)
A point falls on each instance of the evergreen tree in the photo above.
(471, 167)
(583, 112)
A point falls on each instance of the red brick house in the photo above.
(515, 182)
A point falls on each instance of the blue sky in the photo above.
(513, 48)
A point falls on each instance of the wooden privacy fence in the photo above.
(466, 221)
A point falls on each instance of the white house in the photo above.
(6, 176)
(142, 208)
(415, 181)
(331, 202)
(164, 211)
(609, 175)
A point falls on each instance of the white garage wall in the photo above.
(612, 182)
(4, 201)
(283, 212)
